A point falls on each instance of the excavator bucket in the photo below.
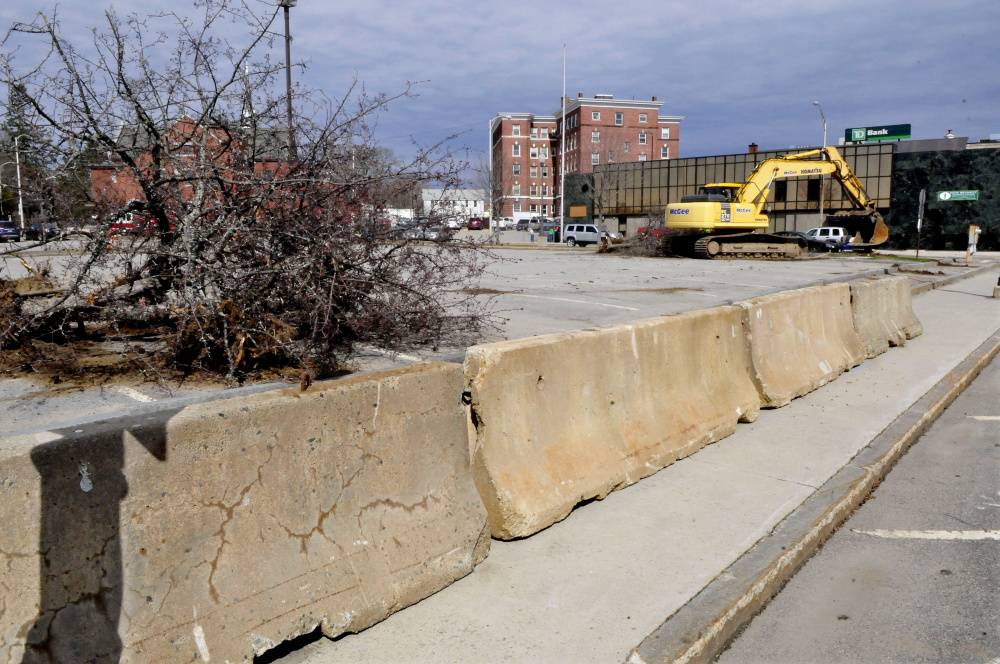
(866, 227)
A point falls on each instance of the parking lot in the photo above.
(537, 290)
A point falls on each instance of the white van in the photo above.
(834, 234)
(582, 234)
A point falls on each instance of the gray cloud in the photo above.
(739, 71)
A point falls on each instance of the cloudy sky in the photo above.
(738, 71)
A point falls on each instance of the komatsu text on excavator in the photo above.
(727, 219)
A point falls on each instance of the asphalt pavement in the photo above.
(914, 575)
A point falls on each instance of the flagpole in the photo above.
(562, 159)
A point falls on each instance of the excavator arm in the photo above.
(865, 224)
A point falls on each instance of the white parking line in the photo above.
(933, 534)
(563, 299)
(134, 394)
(985, 418)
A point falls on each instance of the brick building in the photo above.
(525, 148)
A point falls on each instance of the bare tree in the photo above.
(497, 184)
(211, 234)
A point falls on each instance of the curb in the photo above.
(702, 628)
(947, 281)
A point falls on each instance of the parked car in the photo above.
(9, 231)
(535, 223)
(521, 225)
(815, 244)
(40, 232)
(476, 223)
(582, 234)
(505, 222)
(437, 234)
(835, 234)
(136, 222)
(77, 229)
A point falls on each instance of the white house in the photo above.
(459, 204)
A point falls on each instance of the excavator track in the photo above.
(747, 245)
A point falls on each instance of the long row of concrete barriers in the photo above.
(220, 530)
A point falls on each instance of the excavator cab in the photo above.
(727, 191)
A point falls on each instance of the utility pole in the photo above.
(20, 196)
(287, 4)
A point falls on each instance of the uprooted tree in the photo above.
(238, 252)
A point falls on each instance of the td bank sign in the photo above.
(883, 133)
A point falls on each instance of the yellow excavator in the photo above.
(726, 220)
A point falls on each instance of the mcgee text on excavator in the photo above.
(727, 219)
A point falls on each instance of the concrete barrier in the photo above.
(565, 418)
(883, 313)
(215, 532)
(800, 340)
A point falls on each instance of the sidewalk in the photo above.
(592, 587)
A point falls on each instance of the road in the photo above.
(914, 575)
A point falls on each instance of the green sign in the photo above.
(964, 195)
(883, 133)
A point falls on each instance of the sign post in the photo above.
(974, 232)
(920, 217)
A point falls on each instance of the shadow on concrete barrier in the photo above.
(220, 530)
(799, 340)
(883, 313)
(564, 418)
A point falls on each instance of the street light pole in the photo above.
(20, 197)
(286, 4)
(822, 177)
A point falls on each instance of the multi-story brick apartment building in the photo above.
(525, 148)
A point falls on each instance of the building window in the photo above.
(595, 115)
(545, 132)
(515, 189)
(517, 169)
(517, 206)
(642, 117)
(611, 156)
(534, 132)
(534, 171)
(545, 153)
(595, 137)
(781, 191)
(642, 157)
(642, 138)
(665, 133)
(625, 147)
(812, 190)
(516, 150)
(619, 119)
(533, 153)
(533, 207)
(665, 152)
(515, 130)
(595, 158)
(545, 171)
(533, 190)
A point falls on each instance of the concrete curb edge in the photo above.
(947, 281)
(702, 628)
